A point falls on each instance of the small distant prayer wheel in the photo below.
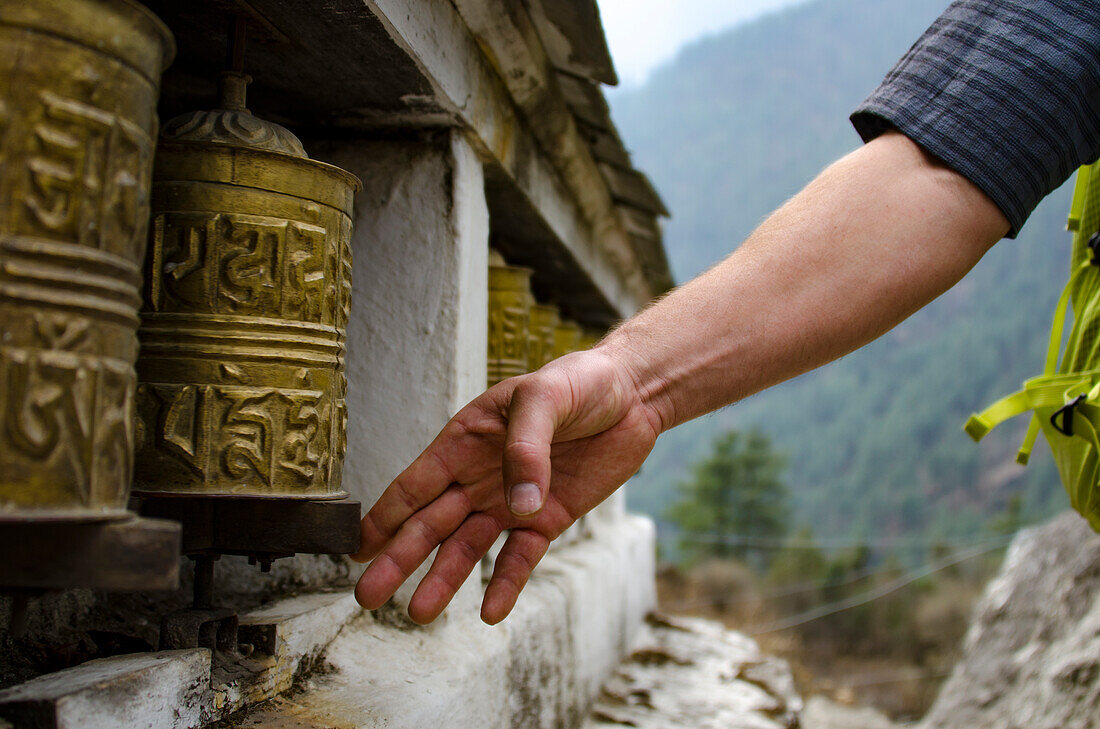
(78, 122)
(567, 338)
(247, 300)
(590, 338)
(509, 322)
(544, 323)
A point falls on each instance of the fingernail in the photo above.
(524, 499)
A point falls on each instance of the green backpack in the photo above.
(1065, 399)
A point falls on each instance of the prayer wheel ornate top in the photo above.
(77, 129)
(510, 303)
(247, 301)
(232, 123)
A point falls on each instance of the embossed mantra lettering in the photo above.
(241, 373)
(76, 128)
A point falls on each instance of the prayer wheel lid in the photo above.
(121, 28)
(232, 123)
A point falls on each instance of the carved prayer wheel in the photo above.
(80, 81)
(509, 321)
(246, 308)
(567, 338)
(540, 348)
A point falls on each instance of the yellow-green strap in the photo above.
(1077, 206)
(1007, 407)
(1024, 454)
(1058, 324)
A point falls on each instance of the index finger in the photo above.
(417, 486)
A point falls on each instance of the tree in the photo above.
(735, 497)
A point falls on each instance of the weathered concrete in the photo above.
(541, 668)
(822, 713)
(140, 691)
(418, 335)
(695, 673)
(183, 689)
(553, 169)
(295, 631)
(1031, 658)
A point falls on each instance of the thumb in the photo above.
(526, 461)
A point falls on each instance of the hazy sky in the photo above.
(644, 33)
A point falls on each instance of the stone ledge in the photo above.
(147, 690)
(543, 667)
(182, 689)
(540, 669)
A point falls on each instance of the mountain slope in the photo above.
(728, 131)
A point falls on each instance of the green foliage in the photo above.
(739, 123)
(736, 492)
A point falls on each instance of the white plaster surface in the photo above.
(562, 183)
(139, 691)
(541, 668)
(304, 626)
(418, 334)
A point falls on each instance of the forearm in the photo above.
(875, 237)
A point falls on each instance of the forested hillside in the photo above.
(737, 124)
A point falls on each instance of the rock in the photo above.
(1031, 658)
(823, 713)
(688, 672)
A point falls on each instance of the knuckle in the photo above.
(464, 552)
(522, 450)
(405, 496)
(423, 531)
(516, 565)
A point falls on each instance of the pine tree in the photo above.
(736, 495)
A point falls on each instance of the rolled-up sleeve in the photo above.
(1007, 93)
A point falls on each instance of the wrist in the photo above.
(651, 390)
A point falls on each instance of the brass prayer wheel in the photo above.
(509, 321)
(544, 322)
(567, 338)
(247, 300)
(78, 121)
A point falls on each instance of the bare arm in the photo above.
(875, 237)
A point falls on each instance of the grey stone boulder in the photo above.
(1031, 659)
(688, 672)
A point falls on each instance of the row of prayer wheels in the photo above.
(523, 334)
(228, 258)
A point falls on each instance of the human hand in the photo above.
(532, 455)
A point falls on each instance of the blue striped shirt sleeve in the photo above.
(1005, 92)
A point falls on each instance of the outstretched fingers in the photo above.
(418, 536)
(416, 487)
(521, 552)
(456, 559)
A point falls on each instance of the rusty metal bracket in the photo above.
(202, 625)
(213, 628)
